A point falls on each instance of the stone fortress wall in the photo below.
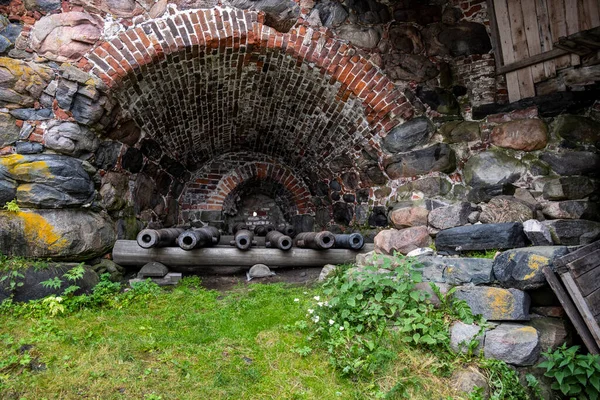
(355, 115)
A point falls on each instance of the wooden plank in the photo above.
(550, 55)
(517, 29)
(572, 21)
(512, 80)
(589, 14)
(571, 311)
(496, 45)
(582, 306)
(593, 302)
(541, 9)
(574, 255)
(532, 33)
(558, 27)
(584, 264)
(589, 281)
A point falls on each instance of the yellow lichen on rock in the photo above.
(39, 232)
(501, 303)
(534, 264)
(19, 168)
(25, 77)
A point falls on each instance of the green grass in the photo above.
(192, 343)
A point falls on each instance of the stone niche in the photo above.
(348, 117)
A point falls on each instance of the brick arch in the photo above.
(350, 101)
(209, 191)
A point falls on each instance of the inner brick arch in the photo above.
(207, 82)
(211, 190)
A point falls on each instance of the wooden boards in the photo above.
(580, 274)
(527, 31)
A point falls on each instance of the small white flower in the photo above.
(320, 304)
(316, 318)
(317, 298)
(326, 304)
(310, 311)
(331, 322)
(296, 300)
(341, 328)
(304, 292)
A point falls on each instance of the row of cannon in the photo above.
(244, 238)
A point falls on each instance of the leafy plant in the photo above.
(574, 374)
(75, 273)
(12, 206)
(53, 283)
(12, 278)
(503, 380)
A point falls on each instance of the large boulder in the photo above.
(32, 289)
(568, 188)
(492, 168)
(118, 8)
(513, 343)
(9, 131)
(461, 336)
(331, 13)
(525, 135)
(407, 136)
(571, 209)
(438, 157)
(481, 237)
(402, 241)
(58, 234)
(522, 268)
(71, 139)
(466, 38)
(460, 131)
(496, 304)
(360, 36)
(573, 162)
(553, 332)
(48, 181)
(505, 209)
(66, 36)
(573, 232)
(450, 216)
(456, 271)
(575, 129)
(404, 217)
(537, 233)
(22, 82)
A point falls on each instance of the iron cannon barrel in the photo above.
(288, 230)
(315, 240)
(201, 237)
(353, 241)
(243, 239)
(238, 227)
(263, 230)
(149, 238)
(278, 240)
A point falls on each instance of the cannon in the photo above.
(238, 227)
(315, 240)
(200, 237)
(149, 238)
(352, 241)
(278, 240)
(262, 230)
(243, 239)
(287, 229)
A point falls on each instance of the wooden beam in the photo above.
(496, 46)
(582, 306)
(128, 252)
(548, 55)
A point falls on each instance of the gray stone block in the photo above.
(513, 343)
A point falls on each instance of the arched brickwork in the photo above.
(207, 82)
(212, 190)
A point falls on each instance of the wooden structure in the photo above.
(579, 271)
(128, 252)
(531, 39)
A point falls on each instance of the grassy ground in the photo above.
(191, 343)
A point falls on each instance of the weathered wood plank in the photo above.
(593, 302)
(589, 281)
(558, 28)
(589, 14)
(541, 9)
(496, 45)
(519, 38)
(506, 43)
(582, 306)
(572, 22)
(571, 311)
(532, 33)
(550, 55)
(574, 255)
(585, 264)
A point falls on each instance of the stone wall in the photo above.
(347, 115)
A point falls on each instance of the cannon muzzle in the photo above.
(262, 230)
(278, 240)
(149, 238)
(243, 239)
(315, 240)
(197, 238)
(353, 241)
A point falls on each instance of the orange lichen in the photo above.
(534, 264)
(39, 232)
(501, 303)
(17, 166)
